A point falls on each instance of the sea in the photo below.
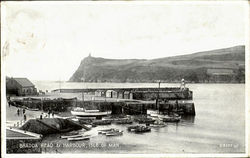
(217, 127)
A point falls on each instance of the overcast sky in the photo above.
(47, 41)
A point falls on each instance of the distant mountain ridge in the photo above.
(221, 65)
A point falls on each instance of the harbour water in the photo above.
(218, 127)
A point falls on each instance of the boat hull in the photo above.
(157, 126)
(71, 136)
(90, 114)
(114, 133)
(78, 138)
(171, 120)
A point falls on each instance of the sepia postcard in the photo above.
(124, 79)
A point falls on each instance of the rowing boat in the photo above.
(79, 138)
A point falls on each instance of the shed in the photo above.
(20, 87)
(126, 95)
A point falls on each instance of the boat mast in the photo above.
(157, 99)
(82, 97)
(82, 79)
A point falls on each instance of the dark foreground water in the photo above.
(218, 127)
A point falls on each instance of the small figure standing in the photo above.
(183, 84)
(24, 117)
(177, 105)
(18, 111)
(41, 116)
(8, 101)
(50, 112)
(23, 111)
(53, 114)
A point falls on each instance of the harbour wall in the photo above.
(171, 93)
(165, 95)
(117, 107)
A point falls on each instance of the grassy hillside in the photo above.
(192, 67)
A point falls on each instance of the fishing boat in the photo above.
(81, 112)
(114, 133)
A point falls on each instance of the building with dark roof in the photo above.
(20, 87)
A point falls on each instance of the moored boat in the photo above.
(155, 114)
(81, 112)
(142, 129)
(71, 136)
(114, 133)
(104, 131)
(124, 121)
(148, 121)
(145, 120)
(157, 124)
(171, 119)
(79, 138)
(139, 129)
(164, 118)
(132, 128)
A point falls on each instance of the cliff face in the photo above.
(222, 65)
